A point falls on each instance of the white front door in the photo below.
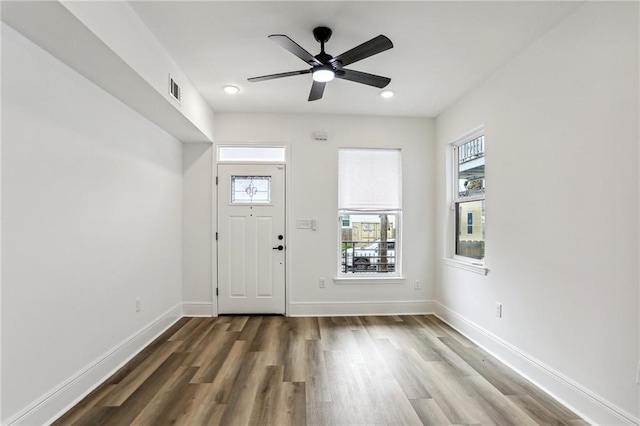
(251, 239)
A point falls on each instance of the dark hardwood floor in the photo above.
(264, 370)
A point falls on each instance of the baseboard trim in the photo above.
(59, 400)
(592, 407)
(399, 307)
(197, 309)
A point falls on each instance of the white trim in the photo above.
(368, 279)
(198, 309)
(398, 307)
(472, 134)
(476, 268)
(214, 231)
(63, 397)
(591, 407)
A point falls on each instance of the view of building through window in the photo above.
(469, 198)
(368, 242)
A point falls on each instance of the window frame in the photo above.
(455, 259)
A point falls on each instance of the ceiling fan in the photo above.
(325, 67)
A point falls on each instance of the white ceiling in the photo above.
(441, 49)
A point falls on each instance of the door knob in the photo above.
(280, 247)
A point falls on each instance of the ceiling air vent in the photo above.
(174, 90)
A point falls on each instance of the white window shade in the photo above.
(369, 179)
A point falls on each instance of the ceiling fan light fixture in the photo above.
(323, 75)
(387, 94)
(230, 89)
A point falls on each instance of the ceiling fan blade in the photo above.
(294, 48)
(280, 75)
(317, 89)
(364, 78)
(366, 49)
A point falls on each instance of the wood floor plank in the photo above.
(317, 380)
(202, 407)
(320, 414)
(243, 393)
(537, 411)
(270, 404)
(294, 359)
(166, 404)
(192, 342)
(443, 329)
(140, 398)
(452, 395)
(375, 360)
(147, 351)
(271, 370)
(237, 323)
(139, 375)
(391, 405)
(496, 405)
(223, 382)
(429, 412)
(250, 329)
(188, 329)
(501, 377)
(312, 328)
(213, 355)
(82, 409)
(405, 370)
(95, 416)
(450, 357)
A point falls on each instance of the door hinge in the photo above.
(216, 180)
(216, 236)
(216, 291)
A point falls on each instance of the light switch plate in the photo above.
(303, 223)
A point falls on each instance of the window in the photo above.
(370, 210)
(250, 189)
(242, 153)
(469, 196)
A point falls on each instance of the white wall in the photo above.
(197, 229)
(91, 209)
(313, 186)
(562, 168)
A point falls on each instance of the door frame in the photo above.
(214, 213)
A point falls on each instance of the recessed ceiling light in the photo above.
(386, 94)
(230, 89)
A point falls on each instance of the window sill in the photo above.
(478, 269)
(369, 280)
